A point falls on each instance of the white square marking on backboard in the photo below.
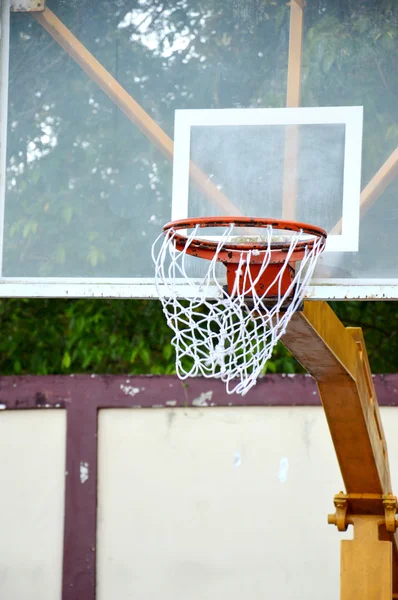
(351, 117)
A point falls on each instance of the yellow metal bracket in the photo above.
(390, 511)
(340, 517)
(350, 505)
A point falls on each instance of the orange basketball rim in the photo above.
(235, 253)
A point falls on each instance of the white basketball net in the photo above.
(228, 337)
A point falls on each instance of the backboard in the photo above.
(300, 164)
(93, 98)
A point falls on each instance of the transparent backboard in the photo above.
(87, 176)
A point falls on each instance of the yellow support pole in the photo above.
(336, 357)
(295, 52)
(366, 562)
(293, 100)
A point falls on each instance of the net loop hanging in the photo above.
(229, 331)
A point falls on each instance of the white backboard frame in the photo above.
(4, 66)
(349, 116)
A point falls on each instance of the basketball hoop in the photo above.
(232, 336)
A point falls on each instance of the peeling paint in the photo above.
(237, 459)
(157, 405)
(283, 469)
(203, 399)
(2, 407)
(84, 472)
(129, 390)
(306, 433)
(27, 5)
(171, 402)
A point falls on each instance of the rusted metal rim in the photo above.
(231, 252)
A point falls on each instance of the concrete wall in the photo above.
(32, 482)
(199, 503)
(217, 503)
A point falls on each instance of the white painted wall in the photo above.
(196, 503)
(32, 476)
(211, 504)
(220, 503)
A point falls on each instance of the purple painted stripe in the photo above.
(80, 521)
(106, 391)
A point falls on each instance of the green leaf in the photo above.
(26, 230)
(270, 367)
(327, 62)
(35, 175)
(387, 42)
(168, 351)
(30, 227)
(93, 256)
(60, 255)
(66, 360)
(145, 356)
(134, 353)
(67, 214)
(363, 24)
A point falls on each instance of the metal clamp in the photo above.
(388, 502)
(390, 510)
(340, 517)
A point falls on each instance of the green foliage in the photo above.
(67, 336)
(49, 336)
